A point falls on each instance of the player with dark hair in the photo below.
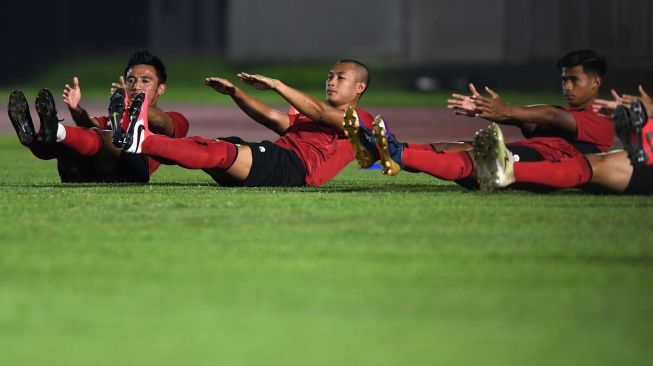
(311, 150)
(628, 171)
(552, 133)
(88, 152)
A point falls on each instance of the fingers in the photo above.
(642, 92)
(472, 89)
(121, 79)
(491, 92)
(615, 95)
(75, 82)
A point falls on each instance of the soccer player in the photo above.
(628, 171)
(311, 150)
(86, 152)
(552, 133)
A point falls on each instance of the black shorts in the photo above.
(130, 168)
(272, 166)
(641, 182)
(525, 153)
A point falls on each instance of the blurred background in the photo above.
(420, 45)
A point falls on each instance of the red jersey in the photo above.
(323, 150)
(593, 134)
(178, 119)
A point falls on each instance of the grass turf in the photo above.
(366, 270)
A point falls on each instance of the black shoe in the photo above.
(116, 111)
(134, 112)
(629, 125)
(18, 111)
(48, 115)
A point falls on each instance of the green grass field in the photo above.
(367, 270)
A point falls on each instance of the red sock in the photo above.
(447, 165)
(83, 141)
(191, 152)
(566, 173)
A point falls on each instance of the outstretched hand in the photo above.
(493, 108)
(220, 85)
(604, 107)
(259, 82)
(463, 104)
(72, 95)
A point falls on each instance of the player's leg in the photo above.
(190, 153)
(497, 168)
(612, 170)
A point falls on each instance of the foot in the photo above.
(48, 115)
(361, 139)
(117, 106)
(494, 163)
(635, 133)
(389, 148)
(18, 111)
(138, 129)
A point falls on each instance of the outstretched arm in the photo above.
(260, 112)
(527, 118)
(304, 103)
(72, 95)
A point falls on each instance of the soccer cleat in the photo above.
(361, 139)
(494, 163)
(117, 106)
(635, 133)
(18, 111)
(389, 148)
(138, 129)
(47, 112)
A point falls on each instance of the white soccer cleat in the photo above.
(138, 129)
(494, 162)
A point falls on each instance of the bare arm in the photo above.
(260, 112)
(304, 103)
(72, 96)
(527, 118)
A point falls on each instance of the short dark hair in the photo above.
(592, 62)
(365, 74)
(145, 57)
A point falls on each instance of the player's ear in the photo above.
(161, 89)
(360, 87)
(596, 82)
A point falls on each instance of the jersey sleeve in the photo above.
(180, 122)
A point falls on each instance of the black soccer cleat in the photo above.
(116, 111)
(18, 111)
(48, 115)
(629, 126)
(134, 112)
